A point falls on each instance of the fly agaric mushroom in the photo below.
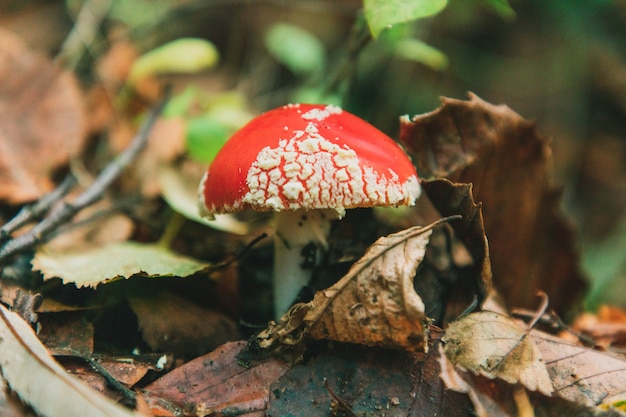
(308, 163)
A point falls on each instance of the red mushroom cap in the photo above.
(307, 156)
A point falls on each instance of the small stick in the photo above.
(341, 403)
(35, 211)
(64, 212)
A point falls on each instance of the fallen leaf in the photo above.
(42, 121)
(40, 381)
(170, 323)
(461, 281)
(10, 405)
(117, 260)
(579, 395)
(496, 346)
(216, 383)
(582, 375)
(531, 244)
(607, 327)
(374, 304)
(412, 386)
(66, 334)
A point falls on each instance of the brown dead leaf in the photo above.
(42, 121)
(458, 253)
(374, 304)
(353, 375)
(531, 245)
(66, 334)
(607, 327)
(214, 383)
(582, 375)
(496, 346)
(170, 323)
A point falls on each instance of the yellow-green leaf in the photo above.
(94, 266)
(381, 14)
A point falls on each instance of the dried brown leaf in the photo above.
(496, 346)
(531, 245)
(582, 375)
(66, 334)
(216, 382)
(352, 374)
(42, 122)
(170, 323)
(460, 260)
(374, 304)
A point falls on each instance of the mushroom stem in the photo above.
(300, 243)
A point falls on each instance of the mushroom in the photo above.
(308, 163)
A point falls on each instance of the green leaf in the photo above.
(418, 51)
(381, 14)
(205, 137)
(185, 55)
(501, 7)
(180, 103)
(295, 48)
(94, 266)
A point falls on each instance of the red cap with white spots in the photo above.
(306, 156)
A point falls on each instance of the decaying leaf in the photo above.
(531, 245)
(465, 281)
(170, 323)
(117, 260)
(495, 346)
(42, 121)
(216, 383)
(582, 375)
(374, 304)
(66, 334)
(353, 374)
(40, 381)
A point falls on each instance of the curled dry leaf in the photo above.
(496, 346)
(40, 381)
(471, 279)
(42, 122)
(531, 245)
(374, 304)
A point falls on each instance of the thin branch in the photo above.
(29, 214)
(64, 212)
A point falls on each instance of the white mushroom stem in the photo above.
(300, 243)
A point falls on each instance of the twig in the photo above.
(129, 394)
(64, 212)
(84, 32)
(29, 214)
(341, 404)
